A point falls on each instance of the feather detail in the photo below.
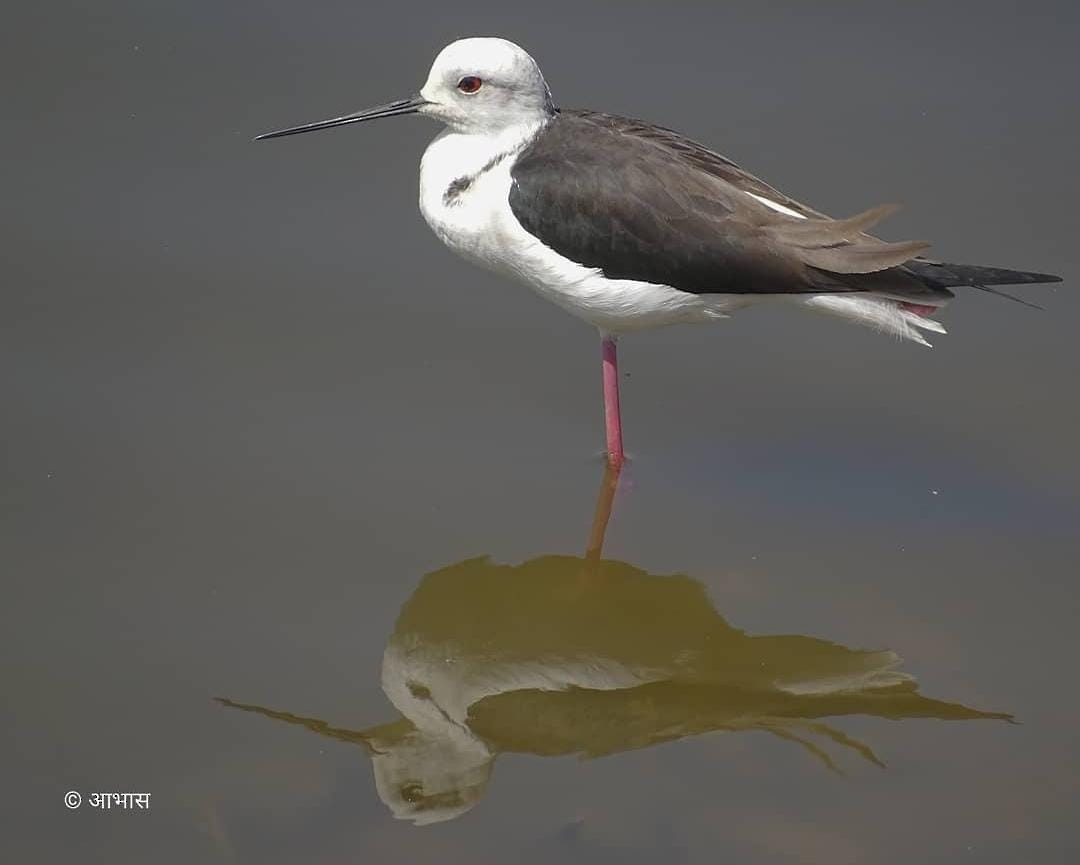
(862, 257)
(880, 313)
(812, 233)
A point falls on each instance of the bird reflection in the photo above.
(582, 655)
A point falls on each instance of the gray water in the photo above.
(261, 430)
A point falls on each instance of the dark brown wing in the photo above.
(641, 202)
(698, 155)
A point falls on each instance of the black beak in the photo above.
(391, 109)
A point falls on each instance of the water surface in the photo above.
(266, 441)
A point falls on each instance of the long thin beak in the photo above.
(391, 109)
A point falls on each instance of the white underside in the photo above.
(479, 225)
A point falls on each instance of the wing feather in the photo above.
(811, 233)
(861, 257)
(642, 202)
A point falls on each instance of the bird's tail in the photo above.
(895, 317)
(941, 275)
(902, 301)
(946, 275)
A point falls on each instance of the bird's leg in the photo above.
(612, 421)
(602, 514)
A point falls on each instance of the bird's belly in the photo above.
(477, 223)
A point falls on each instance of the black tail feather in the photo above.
(941, 275)
(945, 275)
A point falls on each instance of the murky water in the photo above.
(302, 518)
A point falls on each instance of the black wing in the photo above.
(642, 202)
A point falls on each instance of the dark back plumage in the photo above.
(642, 202)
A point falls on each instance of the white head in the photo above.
(484, 84)
(480, 84)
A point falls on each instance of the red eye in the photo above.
(469, 84)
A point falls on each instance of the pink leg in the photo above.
(612, 421)
(602, 515)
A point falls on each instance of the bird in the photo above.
(631, 226)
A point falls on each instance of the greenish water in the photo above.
(565, 655)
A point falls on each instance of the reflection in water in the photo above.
(567, 655)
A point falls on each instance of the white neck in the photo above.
(458, 154)
(464, 183)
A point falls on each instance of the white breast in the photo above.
(478, 224)
(467, 221)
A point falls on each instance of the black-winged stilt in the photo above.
(631, 226)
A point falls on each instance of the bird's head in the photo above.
(479, 84)
(484, 84)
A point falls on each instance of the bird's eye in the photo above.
(469, 84)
